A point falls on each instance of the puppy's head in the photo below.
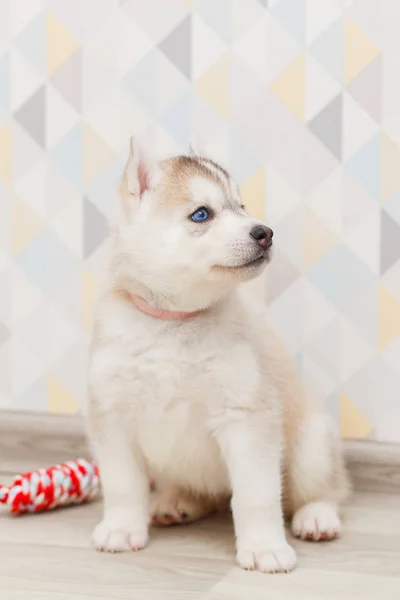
(184, 235)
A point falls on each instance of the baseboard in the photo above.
(29, 441)
(373, 466)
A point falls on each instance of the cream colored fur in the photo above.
(210, 406)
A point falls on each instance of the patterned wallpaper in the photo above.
(299, 98)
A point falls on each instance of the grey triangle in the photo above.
(390, 241)
(95, 228)
(68, 80)
(31, 116)
(178, 46)
(366, 88)
(25, 152)
(280, 275)
(327, 126)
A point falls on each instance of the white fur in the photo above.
(216, 171)
(210, 406)
(205, 188)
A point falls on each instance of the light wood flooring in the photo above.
(48, 557)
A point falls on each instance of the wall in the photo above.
(300, 99)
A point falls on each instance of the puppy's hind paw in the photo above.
(317, 521)
(176, 507)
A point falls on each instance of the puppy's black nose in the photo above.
(263, 235)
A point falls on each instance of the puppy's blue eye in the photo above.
(200, 215)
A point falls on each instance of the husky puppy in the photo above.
(189, 385)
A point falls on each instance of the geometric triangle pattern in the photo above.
(31, 116)
(327, 126)
(299, 99)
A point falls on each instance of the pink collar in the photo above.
(159, 313)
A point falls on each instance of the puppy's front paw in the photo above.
(119, 534)
(270, 559)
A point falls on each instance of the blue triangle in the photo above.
(292, 14)
(243, 160)
(177, 121)
(32, 42)
(329, 49)
(204, 113)
(5, 82)
(340, 276)
(47, 262)
(67, 154)
(364, 165)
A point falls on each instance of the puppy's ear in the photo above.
(141, 173)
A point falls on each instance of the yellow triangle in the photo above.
(60, 400)
(353, 424)
(5, 153)
(289, 86)
(213, 86)
(25, 226)
(390, 166)
(96, 154)
(60, 44)
(318, 238)
(389, 317)
(359, 50)
(253, 194)
(89, 295)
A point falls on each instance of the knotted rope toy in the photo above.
(72, 482)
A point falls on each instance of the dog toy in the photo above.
(71, 482)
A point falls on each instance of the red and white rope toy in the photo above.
(71, 482)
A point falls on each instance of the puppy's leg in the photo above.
(316, 479)
(176, 506)
(315, 476)
(125, 487)
(250, 444)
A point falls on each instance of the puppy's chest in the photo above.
(191, 366)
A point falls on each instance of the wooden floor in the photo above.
(48, 557)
